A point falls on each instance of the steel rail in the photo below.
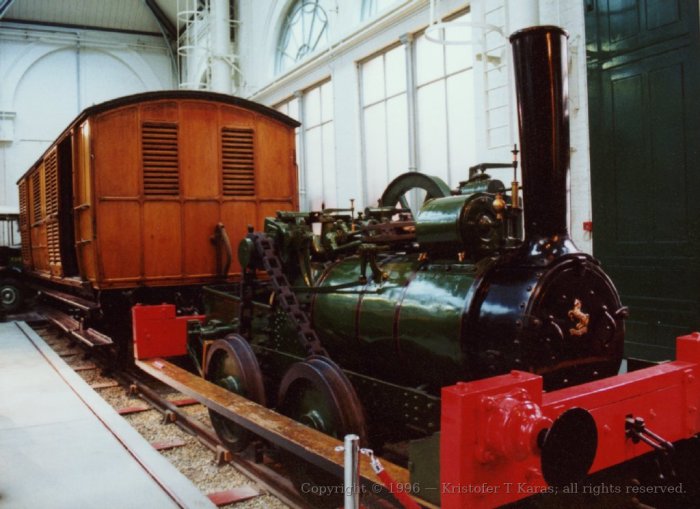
(267, 478)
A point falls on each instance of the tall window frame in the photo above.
(315, 141)
(440, 140)
(384, 106)
(444, 98)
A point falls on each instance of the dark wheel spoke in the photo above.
(231, 364)
(317, 393)
(10, 295)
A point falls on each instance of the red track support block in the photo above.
(233, 495)
(158, 332)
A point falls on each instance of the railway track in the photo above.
(178, 427)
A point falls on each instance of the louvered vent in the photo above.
(24, 222)
(53, 243)
(238, 161)
(160, 161)
(36, 195)
(51, 176)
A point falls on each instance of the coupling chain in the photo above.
(286, 298)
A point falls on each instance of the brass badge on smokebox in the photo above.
(580, 319)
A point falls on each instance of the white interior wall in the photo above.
(570, 15)
(51, 75)
(353, 40)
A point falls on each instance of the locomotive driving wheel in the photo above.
(317, 393)
(231, 364)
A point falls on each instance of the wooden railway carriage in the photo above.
(131, 192)
(133, 200)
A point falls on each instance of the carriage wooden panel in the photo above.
(83, 204)
(152, 175)
(24, 227)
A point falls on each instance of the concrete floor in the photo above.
(62, 446)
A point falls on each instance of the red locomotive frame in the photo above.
(489, 452)
(495, 432)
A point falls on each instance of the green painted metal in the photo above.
(334, 314)
(424, 468)
(644, 74)
(427, 345)
(389, 328)
(377, 309)
(439, 221)
(479, 184)
(221, 302)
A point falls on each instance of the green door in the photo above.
(644, 100)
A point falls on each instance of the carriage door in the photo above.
(66, 223)
(644, 100)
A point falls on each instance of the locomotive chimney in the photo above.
(540, 63)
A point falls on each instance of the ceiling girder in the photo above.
(169, 30)
(4, 6)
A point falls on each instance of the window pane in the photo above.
(432, 130)
(326, 102)
(314, 168)
(312, 107)
(293, 108)
(429, 60)
(395, 71)
(461, 124)
(373, 80)
(458, 57)
(375, 152)
(330, 194)
(289, 108)
(397, 136)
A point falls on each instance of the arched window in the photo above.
(305, 29)
(372, 7)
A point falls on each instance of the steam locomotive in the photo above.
(486, 358)
(353, 323)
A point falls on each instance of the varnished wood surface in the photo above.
(128, 234)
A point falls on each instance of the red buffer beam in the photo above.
(504, 439)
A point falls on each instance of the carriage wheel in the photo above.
(231, 364)
(317, 393)
(10, 295)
